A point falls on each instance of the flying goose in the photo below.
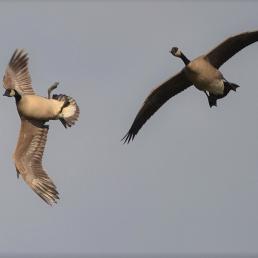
(34, 112)
(201, 72)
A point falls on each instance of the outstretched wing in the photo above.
(28, 159)
(17, 73)
(224, 51)
(155, 100)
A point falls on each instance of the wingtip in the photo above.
(19, 59)
(46, 190)
(124, 139)
(128, 138)
(51, 200)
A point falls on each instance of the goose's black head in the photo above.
(12, 93)
(178, 53)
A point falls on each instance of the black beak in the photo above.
(6, 93)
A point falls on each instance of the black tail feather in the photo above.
(228, 86)
(63, 122)
(234, 86)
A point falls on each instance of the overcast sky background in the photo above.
(189, 181)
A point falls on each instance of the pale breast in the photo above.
(40, 108)
(204, 76)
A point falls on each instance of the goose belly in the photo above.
(215, 87)
(204, 76)
(39, 108)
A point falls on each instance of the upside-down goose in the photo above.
(201, 72)
(34, 112)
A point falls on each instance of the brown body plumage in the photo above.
(40, 108)
(202, 72)
(34, 112)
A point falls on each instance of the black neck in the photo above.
(17, 97)
(185, 59)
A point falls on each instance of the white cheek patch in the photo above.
(178, 52)
(12, 93)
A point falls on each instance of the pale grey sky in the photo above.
(189, 181)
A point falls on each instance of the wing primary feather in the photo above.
(229, 47)
(17, 73)
(28, 160)
(155, 100)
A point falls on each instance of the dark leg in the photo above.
(51, 88)
(206, 93)
(212, 100)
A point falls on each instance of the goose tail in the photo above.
(70, 111)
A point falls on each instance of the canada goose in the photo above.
(201, 72)
(34, 112)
